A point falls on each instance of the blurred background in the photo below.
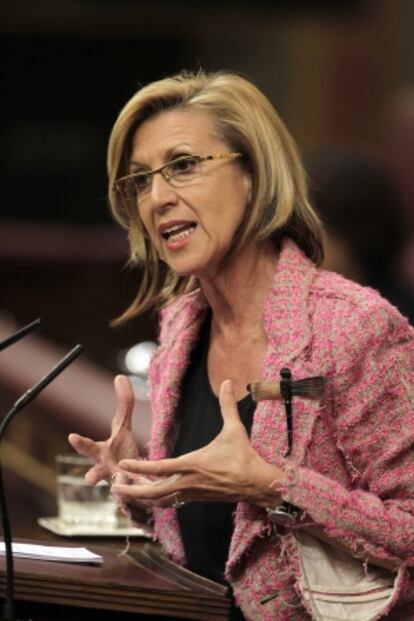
(340, 73)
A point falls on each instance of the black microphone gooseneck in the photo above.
(27, 397)
(20, 334)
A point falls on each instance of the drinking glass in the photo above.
(79, 503)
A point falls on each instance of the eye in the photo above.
(141, 181)
(183, 165)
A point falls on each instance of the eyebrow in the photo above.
(169, 155)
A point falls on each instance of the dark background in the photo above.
(67, 68)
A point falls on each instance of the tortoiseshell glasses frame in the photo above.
(178, 172)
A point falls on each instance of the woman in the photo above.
(207, 181)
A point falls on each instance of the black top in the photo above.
(206, 527)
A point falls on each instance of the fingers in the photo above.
(163, 467)
(228, 403)
(96, 474)
(143, 493)
(89, 448)
(125, 401)
(123, 478)
(119, 478)
(164, 493)
(84, 446)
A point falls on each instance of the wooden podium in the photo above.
(140, 584)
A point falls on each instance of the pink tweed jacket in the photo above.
(351, 469)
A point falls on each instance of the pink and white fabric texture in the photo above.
(351, 469)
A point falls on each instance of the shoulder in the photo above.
(355, 318)
(349, 299)
(302, 292)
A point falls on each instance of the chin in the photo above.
(187, 269)
(192, 266)
(184, 273)
(182, 265)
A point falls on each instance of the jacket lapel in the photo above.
(166, 374)
(168, 368)
(287, 325)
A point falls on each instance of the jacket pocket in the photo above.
(335, 586)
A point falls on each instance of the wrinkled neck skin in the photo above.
(237, 293)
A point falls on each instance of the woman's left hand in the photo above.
(228, 469)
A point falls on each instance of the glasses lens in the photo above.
(141, 182)
(183, 170)
(125, 188)
(131, 187)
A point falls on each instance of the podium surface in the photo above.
(139, 584)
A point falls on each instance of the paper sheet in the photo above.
(53, 553)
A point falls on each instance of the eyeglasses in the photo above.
(180, 172)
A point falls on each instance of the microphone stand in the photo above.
(27, 397)
(8, 608)
(20, 334)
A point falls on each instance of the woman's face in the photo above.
(191, 226)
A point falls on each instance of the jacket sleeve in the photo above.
(373, 390)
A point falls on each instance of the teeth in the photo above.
(180, 231)
(180, 235)
(172, 229)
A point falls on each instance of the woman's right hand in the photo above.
(120, 445)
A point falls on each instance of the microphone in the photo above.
(27, 397)
(30, 394)
(20, 334)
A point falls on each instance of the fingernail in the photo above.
(227, 386)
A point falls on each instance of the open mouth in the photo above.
(179, 231)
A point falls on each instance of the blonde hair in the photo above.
(249, 124)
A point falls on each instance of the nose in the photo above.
(162, 193)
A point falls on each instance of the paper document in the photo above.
(53, 553)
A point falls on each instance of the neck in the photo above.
(237, 294)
